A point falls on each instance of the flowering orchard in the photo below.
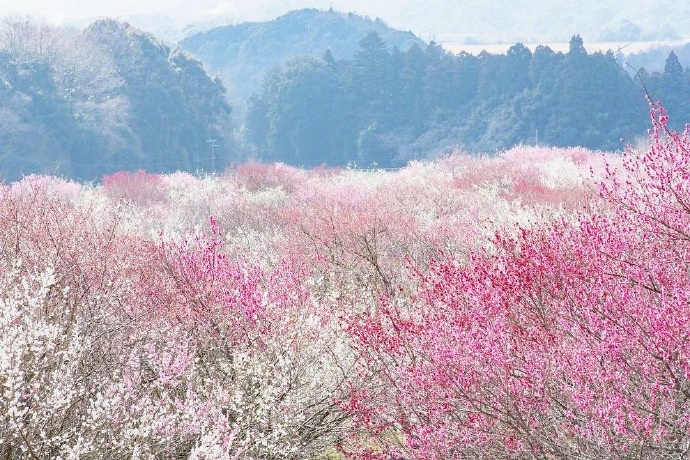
(568, 339)
(528, 305)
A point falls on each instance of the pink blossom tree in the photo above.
(566, 341)
(266, 356)
(83, 372)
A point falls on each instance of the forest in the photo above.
(81, 104)
(387, 107)
(310, 88)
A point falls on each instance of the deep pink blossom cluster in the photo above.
(566, 340)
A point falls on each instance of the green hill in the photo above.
(83, 104)
(242, 54)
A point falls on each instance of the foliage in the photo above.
(386, 107)
(82, 104)
(133, 326)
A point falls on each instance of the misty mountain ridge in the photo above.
(242, 54)
(476, 21)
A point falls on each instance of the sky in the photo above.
(483, 21)
(179, 10)
(61, 10)
(179, 13)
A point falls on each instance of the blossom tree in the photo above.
(266, 355)
(568, 340)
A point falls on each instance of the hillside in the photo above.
(241, 54)
(386, 108)
(82, 104)
(319, 87)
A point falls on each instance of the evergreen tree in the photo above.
(674, 91)
(412, 89)
(576, 46)
(297, 118)
(673, 71)
(373, 79)
(330, 60)
(514, 72)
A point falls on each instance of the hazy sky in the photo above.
(401, 14)
(179, 10)
(485, 21)
(81, 9)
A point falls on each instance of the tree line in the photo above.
(386, 107)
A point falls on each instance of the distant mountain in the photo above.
(466, 21)
(542, 21)
(242, 54)
(84, 104)
(481, 21)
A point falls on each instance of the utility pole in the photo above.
(214, 144)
